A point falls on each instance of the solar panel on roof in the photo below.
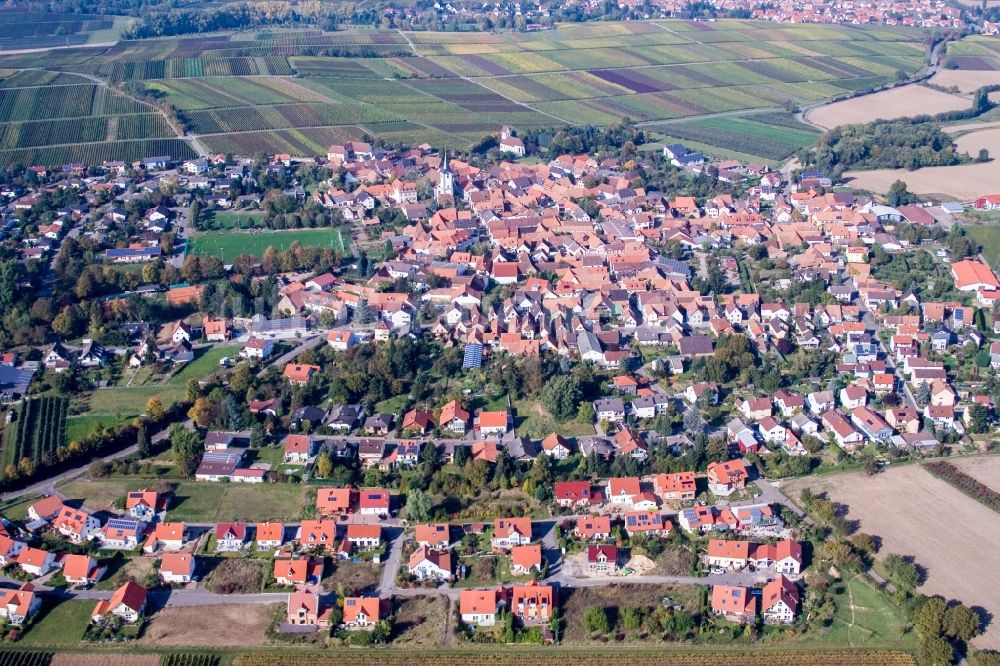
(473, 356)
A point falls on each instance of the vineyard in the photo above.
(189, 660)
(965, 483)
(555, 657)
(297, 91)
(95, 153)
(39, 429)
(14, 658)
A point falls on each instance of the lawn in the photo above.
(78, 427)
(196, 501)
(129, 402)
(987, 235)
(61, 624)
(205, 363)
(228, 245)
(208, 502)
(866, 618)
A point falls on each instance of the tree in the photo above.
(154, 407)
(324, 465)
(979, 419)
(961, 622)
(935, 651)
(142, 441)
(898, 194)
(929, 618)
(257, 436)
(983, 156)
(418, 506)
(561, 396)
(201, 412)
(363, 313)
(186, 447)
(595, 620)
(631, 619)
(902, 573)
(694, 424)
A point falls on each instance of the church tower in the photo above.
(446, 180)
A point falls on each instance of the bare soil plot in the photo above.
(421, 621)
(965, 182)
(241, 625)
(952, 537)
(105, 660)
(984, 469)
(899, 102)
(967, 80)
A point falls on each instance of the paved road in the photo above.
(182, 229)
(395, 536)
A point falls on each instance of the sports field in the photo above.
(267, 92)
(227, 245)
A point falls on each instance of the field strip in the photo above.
(721, 114)
(689, 63)
(674, 33)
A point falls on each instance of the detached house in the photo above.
(363, 612)
(480, 607)
(727, 477)
(428, 564)
(780, 601)
(734, 603)
(177, 567)
(18, 605)
(510, 532)
(127, 603)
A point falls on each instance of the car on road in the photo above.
(717, 570)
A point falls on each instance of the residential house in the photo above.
(428, 564)
(510, 532)
(176, 568)
(126, 603)
(780, 601)
(602, 559)
(363, 613)
(734, 603)
(726, 477)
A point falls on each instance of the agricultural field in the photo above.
(56, 118)
(36, 432)
(38, 30)
(904, 504)
(514, 655)
(899, 102)
(228, 245)
(298, 91)
(772, 136)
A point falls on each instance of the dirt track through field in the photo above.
(953, 537)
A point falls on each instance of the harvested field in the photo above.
(105, 660)
(896, 103)
(964, 182)
(918, 515)
(985, 470)
(966, 80)
(240, 625)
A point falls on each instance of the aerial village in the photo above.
(637, 366)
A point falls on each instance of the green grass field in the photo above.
(61, 624)
(205, 363)
(78, 427)
(130, 401)
(197, 501)
(988, 235)
(227, 245)
(867, 618)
